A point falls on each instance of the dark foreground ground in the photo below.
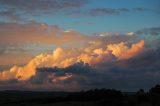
(96, 97)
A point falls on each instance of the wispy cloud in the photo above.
(100, 11)
(141, 9)
(107, 11)
(33, 32)
(149, 31)
(10, 14)
(31, 6)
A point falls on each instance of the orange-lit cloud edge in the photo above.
(92, 54)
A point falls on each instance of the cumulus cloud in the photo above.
(32, 38)
(105, 60)
(85, 68)
(66, 57)
(140, 71)
(121, 51)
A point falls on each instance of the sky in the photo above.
(70, 45)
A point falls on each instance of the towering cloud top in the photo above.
(79, 44)
(66, 57)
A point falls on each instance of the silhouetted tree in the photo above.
(154, 95)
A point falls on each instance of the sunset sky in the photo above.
(68, 45)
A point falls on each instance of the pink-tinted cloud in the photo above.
(33, 32)
(65, 57)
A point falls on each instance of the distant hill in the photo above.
(94, 97)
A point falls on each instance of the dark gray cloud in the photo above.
(150, 58)
(100, 11)
(141, 9)
(10, 15)
(149, 31)
(110, 11)
(17, 10)
(107, 11)
(71, 7)
(30, 6)
(131, 74)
